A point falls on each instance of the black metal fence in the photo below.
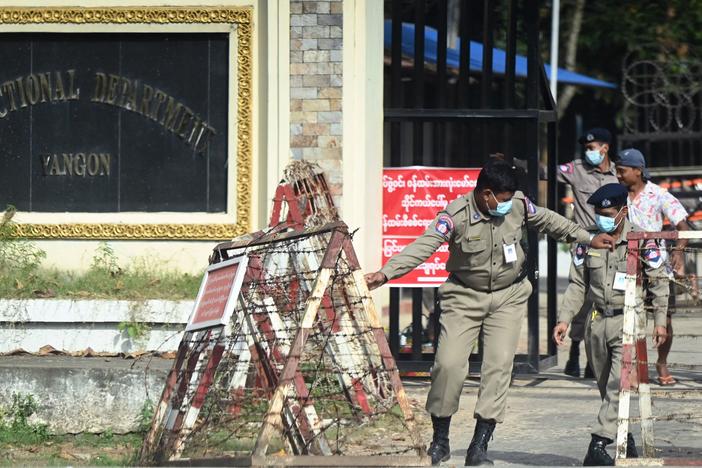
(440, 114)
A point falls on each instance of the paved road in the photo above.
(550, 417)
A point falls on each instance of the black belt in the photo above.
(610, 312)
(518, 279)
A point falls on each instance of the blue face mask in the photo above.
(594, 157)
(502, 207)
(605, 223)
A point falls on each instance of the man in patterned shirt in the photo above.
(648, 203)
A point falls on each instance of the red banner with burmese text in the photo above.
(412, 196)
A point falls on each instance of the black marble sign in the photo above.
(114, 122)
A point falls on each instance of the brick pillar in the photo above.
(316, 85)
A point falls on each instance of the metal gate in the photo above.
(440, 114)
(662, 117)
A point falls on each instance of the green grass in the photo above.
(22, 275)
(23, 442)
(74, 450)
(96, 284)
(106, 439)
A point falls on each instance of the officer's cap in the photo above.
(609, 195)
(632, 157)
(596, 134)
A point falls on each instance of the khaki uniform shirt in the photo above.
(593, 273)
(478, 244)
(585, 179)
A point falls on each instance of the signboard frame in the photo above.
(230, 304)
(237, 22)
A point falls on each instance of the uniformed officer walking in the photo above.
(487, 288)
(599, 276)
(585, 176)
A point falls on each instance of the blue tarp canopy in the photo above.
(499, 57)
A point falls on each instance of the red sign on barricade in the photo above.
(219, 290)
(412, 196)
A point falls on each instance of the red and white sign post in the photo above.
(412, 196)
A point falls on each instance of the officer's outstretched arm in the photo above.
(438, 232)
(554, 225)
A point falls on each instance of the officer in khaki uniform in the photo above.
(585, 176)
(487, 288)
(598, 275)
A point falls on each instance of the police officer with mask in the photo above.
(585, 176)
(487, 288)
(598, 275)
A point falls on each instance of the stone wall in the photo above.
(78, 395)
(316, 86)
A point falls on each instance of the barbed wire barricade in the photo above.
(302, 368)
(303, 199)
(638, 312)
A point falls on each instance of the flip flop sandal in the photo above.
(666, 380)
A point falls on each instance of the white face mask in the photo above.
(594, 157)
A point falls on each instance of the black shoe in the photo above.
(588, 372)
(572, 368)
(597, 453)
(439, 449)
(631, 451)
(477, 450)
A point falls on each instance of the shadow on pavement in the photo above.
(536, 459)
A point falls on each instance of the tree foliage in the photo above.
(613, 28)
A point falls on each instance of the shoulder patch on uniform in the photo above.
(457, 205)
(652, 254)
(444, 225)
(566, 168)
(579, 254)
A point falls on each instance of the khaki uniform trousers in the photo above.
(603, 344)
(579, 322)
(463, 312)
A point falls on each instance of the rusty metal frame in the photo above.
(634, 371)
(178, 409)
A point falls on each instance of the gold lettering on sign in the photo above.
(79, 164)
(145, 100)
(155, 104)
(34, 88)
(73, 92)
(172, 111)
(59, 92)
(20, 88)
(76, 164)
(112, 89)
(99, 94)
(32, 84)
(44, 85)
(68, 163)
(8, 88)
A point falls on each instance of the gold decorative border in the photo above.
(129, 231)
(243, 18)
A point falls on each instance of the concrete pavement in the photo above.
(550, 416)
